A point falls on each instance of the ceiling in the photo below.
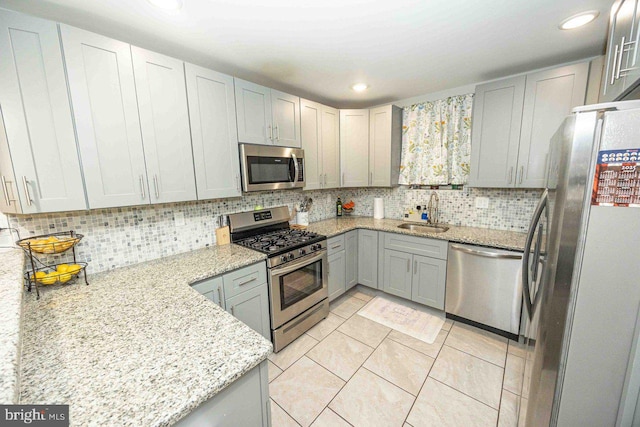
(318, 49)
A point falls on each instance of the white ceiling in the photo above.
(317, 49)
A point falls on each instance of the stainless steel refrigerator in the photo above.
(581, 276)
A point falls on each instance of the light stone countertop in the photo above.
(138, 346)
(11, 293)
(477, 236)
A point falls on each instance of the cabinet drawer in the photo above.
(335, 244)
(246, 278)
(416, 245)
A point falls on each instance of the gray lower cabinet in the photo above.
(397, 273)
(351, 258)
(429, 278)
(368, 258)
(243, 403)
(252, 308)
(212, 289)
(337, 274)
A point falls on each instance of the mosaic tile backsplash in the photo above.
(123, 236)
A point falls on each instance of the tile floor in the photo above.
(351, 371)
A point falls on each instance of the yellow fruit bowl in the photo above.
(55, 274)
(51, 243)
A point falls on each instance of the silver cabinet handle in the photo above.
(614, 63)
(320, 179)
(232, 313)
(510, 174)
(270, 133)
(219, 296)
(408, 265)
(248, 281)
(277, 133)
(238, 182)
(521, 174)
(620, 56)
(342, 182)
(26, 190)
(5, 191)
(155, 185)
(415, 266)
(370, 178)
(142, 187)
(335, 247)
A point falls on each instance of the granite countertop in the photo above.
(477, 236)
(11, 268)
(138, 346)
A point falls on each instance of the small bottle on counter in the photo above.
(339, 207)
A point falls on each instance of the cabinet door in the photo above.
(37, 116)
(351, 258)
(311, 126)
(252, 308)
(214, 134)
(548, 99)
(9, 202)
(212, 289)
(337, 270)
(397, 273)
(103, 95)
(367, 258)
(497, 118)
(330, 154)
(619, 52)
(164, 119)
(429, 277)
(253, 110)
(354, 148)
(286, 119)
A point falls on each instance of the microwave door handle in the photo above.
(527, 251)
(296, 168)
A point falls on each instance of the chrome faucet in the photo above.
(433, 208)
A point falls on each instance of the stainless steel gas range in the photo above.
(297, 270)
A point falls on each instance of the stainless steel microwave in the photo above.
(265, 167)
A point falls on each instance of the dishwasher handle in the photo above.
(486, 254)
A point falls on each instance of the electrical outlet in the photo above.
(482, 202)
(178, 219)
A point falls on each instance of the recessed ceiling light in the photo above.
(167, 4)
(578, 20)
(360, 87)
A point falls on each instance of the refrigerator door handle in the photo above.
(528, 301)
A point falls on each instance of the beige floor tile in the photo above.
(470, 375)
(328, 418)
(517, 349)
(340, 354)
(324, 328)
(448, 324)
(304, 390)
(400, 365)
(508, 416)
(273, 370)
(440, 405)
(280, 418)
(368, 400)
(513, 372)
(479, 343)
(294, 351)
(522, 413)
(430, 350)
(362, 293)
(364, 330)
(346, 306)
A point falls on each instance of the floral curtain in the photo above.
(436, 142)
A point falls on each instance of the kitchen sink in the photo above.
(424, 228)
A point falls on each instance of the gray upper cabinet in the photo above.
(43, 173)
(320, 136)
(514, 120)
(213, 131)
(266, 116)
(354, 148)
(549, 97)
(103, 94)
(622, 69)
(368, 258)
(351, 260)
(164, 120)
(385, 145)
(397, 273)
(497, 116)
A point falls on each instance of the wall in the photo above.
(123, 236)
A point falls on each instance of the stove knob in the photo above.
(291, 256)
(303, 252)
(283, 258)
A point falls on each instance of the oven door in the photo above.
(297, 286)
(271, 168)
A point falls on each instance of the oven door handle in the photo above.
(300, 262)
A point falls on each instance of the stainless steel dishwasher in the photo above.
(484, 285)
